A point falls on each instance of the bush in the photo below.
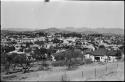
(59, 63)
(63, 63)
(72, 63)
(76, 62)
(88, 61)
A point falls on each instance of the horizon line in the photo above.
(63, 28)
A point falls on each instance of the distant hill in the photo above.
(18, 29)
(81, 30)
(7, 31)
(109, 30)
(53, 30)
(70, 29)
(97, 30)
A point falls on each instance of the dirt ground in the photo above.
(113, 72)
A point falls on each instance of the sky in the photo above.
(37, 14)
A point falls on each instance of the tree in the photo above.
(39, 42)
(7, 49)
(101, 46)
(15, 58)
(68, 55)
(56, 40)
(28, 44)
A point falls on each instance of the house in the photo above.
(41, 38)
(112, 55)
(65, 41)
(115, 47)
(99, 55)
(91, 47)
(89, 56)
(60, 50)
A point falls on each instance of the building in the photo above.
(89, 56)
(112, 55)
(100, 55)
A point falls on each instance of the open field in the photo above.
(113, 72)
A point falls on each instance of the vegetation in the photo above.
(52, 45)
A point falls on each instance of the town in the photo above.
(43, 46)
(62, 40)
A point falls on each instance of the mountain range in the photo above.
(97, 30)
(71, 29)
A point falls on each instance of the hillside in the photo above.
(97, 30)
(52, 30)
(70, 29)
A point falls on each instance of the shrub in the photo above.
(76, 62)
(59, 63)
(72, 63)
(88, 61)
